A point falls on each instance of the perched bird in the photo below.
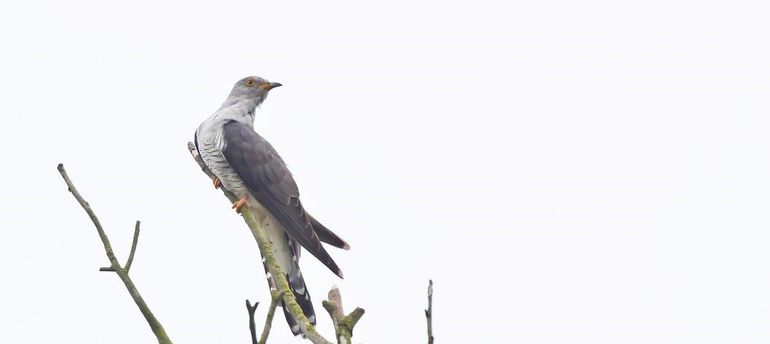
(248, 166)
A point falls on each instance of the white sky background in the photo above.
(587, 172)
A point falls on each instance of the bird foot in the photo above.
(217, 182)
(240, 204)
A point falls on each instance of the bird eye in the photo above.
(250, 82)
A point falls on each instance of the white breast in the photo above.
(211, 145)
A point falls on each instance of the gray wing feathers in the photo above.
(269, 180)
(327, 236)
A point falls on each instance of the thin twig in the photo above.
(133, 246)
(276, 299)
(252, 326)
(155, 325)
(429, 312)
(265, 247)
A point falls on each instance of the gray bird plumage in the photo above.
(249, 166)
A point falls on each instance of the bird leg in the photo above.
(240, 203)
(217, 182)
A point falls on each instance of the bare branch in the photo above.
(276, 299)
(155, 325)
(133, 247)
(429, 312)
(252, 326)
(343, 325)
(336, 298)
(349, 321)
(331, 308)
(265, 247)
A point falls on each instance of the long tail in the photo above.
(297, 286)
(287, 252)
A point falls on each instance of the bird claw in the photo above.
(217, 182)
(240, 204)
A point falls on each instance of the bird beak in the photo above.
(267, 86)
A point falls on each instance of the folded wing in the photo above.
(269, 180)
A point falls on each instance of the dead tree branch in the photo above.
(133, 246)
(252, 326)
(343, 325)
(429, 312)
(276, 299)
(122, 272)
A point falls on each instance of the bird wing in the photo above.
(327, 236)
(265, 174)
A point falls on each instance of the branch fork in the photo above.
(343, 324)
(121, 271)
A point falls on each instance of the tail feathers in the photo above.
(327, 236)
(298, 288)
(301, 294)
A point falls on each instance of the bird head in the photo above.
(251, 89)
